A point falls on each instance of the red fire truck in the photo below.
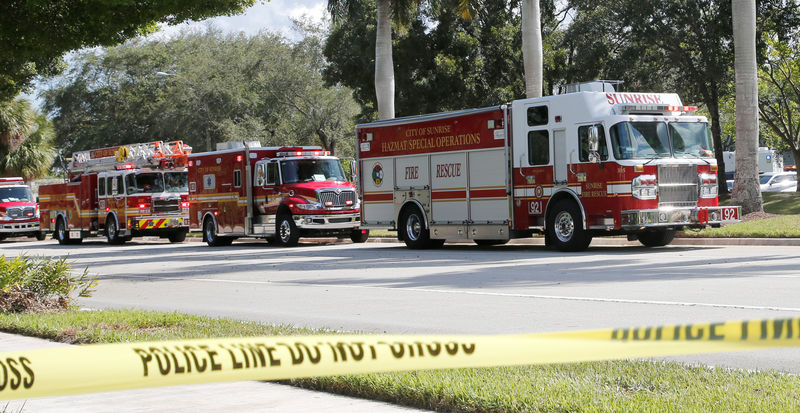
(121, 192)
(19, 213)
(276, 193)
(572, 166)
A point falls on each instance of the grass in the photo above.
(614, 386)
(784, 226)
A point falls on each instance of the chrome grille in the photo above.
(166, 205)
(20, 212)
(338, 198)
(677, 185)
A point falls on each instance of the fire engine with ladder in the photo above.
(572, 166)
(120, 192)
(276, 193)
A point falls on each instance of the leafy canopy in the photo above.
(34, 34)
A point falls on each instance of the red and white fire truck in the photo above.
(576, 165)
(19, 213)
(276, 193)
(121, 192)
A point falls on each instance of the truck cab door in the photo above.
(267, 181)
(535, 161)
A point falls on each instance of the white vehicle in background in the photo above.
(778, 182)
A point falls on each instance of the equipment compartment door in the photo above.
(449, 188)
(488, 197)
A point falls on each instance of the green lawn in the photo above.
(614, 386)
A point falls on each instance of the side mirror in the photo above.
(594, 139)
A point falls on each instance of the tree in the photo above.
(746, 192)
(532, 47)
(17, 121)
(35, 34)
(34, 157)
(779, 92)
(212, 87)
(386, 11)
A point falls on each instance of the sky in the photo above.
(273, 15)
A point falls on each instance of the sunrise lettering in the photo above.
(632, 98)
(431, 143)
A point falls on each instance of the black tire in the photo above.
(490, 242)
(2, 237)
(359, 236)
(210, 234)
(62, 234)
(565, 227)
(178, 236)
(657, 238)
(40, 236)
(286, 232)
(112, 231)
(413, 231)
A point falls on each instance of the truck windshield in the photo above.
(150, 182)
(307, 170)
(692, 139)
(632, 140)
(15, 194)
(177, 181)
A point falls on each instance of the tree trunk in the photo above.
(796, 155)
(384, 66)
(532, 48)
(747, 191)
(716, 135)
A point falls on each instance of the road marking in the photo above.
(481, 293)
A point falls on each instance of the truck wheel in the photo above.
(287, 233)
(112, 231)
(359, 235)
(61, 234)
(40, 236)
(2, 237)
(565, 227)
(413, 231)
(179, 236)
(490, 242)
(210, 233)
(657, 238)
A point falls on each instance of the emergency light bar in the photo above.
(12, 181)
(304, 153)
(656, 108)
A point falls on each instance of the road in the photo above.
(384, 287)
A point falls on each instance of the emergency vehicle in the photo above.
(276, 193)
(19, 213)
(121, 192)
(591, 162)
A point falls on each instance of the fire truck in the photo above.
(19, 213)
(276, 193)
(120, 192)
(572, 166)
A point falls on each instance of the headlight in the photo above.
(644, 187)
(310, 206)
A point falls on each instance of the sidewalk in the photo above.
(247, 396)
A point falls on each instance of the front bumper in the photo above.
(671, 217)
(325, 222)
(19, 227)
(156, 222)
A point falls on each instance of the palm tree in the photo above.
(746, 191)
(16, 123)
(387, 10)
(35, 155)
(532, 48)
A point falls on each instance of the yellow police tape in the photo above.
(105, 367)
